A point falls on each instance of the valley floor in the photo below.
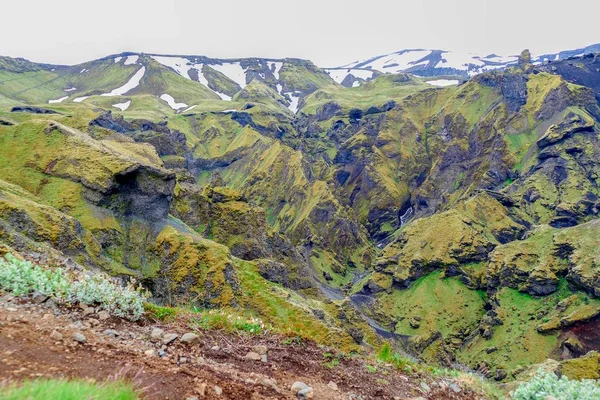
(37, 341)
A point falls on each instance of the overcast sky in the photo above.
(328, 32)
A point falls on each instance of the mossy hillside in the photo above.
(29, 223)
(222, 214)
(258, 91)
(560, 189)
(198, 271)
(446, 240)
(585, 367)
(302, 76)
(297, 315)
(202, 273)
(529, 265)
(142, 106)
(373, 93)
(217, 81)
(159, 80)
(423, 149)
(40, 86)
(220, 141)
(516, 342)
(434, 303)
(580, 244)
(272, 175)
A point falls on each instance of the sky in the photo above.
(328, 32)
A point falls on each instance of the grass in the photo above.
(68, 390)
(230, 321)
(387, 355)
(517, 339)
(160, 313)
(373, 93)
(444, 305)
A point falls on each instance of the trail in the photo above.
(36, 342)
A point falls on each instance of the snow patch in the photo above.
(179, 64)
(183, 65)
(131, 60)
(356, 84)
(228, 111)
(117, 59)
(70, 89)
(275, 68)
(294, 102)
(443, 82)
(395, 62)
(460, 60)
(58, 100)
(223, 96)
(190, 108)
(133, 82)
(84, 70)
(123, 106)
(171, 102)
(233, 71)
(80, 99)
(362, 74)
(279, 88)
(339, 75)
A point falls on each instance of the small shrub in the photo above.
(545, 384)
(22, 278)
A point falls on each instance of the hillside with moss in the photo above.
(460, 223)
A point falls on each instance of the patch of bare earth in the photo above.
(37, 340)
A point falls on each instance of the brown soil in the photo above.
(27, 350)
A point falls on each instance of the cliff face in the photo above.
(462, 219)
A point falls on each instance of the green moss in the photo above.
(516, 340)
(435, 304)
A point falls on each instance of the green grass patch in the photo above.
(68, 390)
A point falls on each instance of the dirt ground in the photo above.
(36, 340)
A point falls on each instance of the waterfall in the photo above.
(406, 216)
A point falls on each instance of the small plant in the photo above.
(331, 364)
(292, 340)
(371, 368)
(22, 278)
(332, 360)
(546, 384)
(160, 313)
(230, 322)
(399, 362)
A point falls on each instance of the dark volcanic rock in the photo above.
(33, 110)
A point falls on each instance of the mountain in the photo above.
(425, 62)
(458, 221)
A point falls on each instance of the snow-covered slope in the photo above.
(425, 62)
(238, 72)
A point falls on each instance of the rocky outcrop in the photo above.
(33, 110)
(571, 124)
